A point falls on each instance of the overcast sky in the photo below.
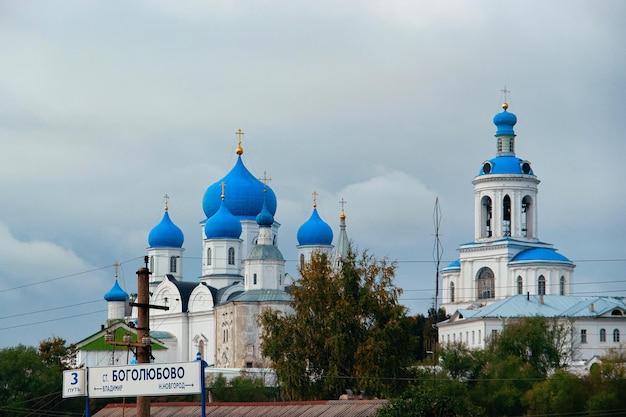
(107, 106)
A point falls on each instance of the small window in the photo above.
(452, 292)
(562, 286)
(231, 256)
(583, 335)
(603, 335)
(254, 279)
(520, 285)
(152, 264)
(616, 312)
(173, 264)
(541, 285)
(616, 335)
(208, 256)
(248, 365)
(301, 260)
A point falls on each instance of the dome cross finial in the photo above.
(223, 184)
(265, 180)
(239, 134)
(505, 91)
(343, 203)
(116, 265)
(166, 198)
(314, 199)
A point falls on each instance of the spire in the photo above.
(343, 241)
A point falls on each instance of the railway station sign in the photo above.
(145, 380)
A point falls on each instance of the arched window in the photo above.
(208, 256)
(506, 216)
(603, 335)
(616, 335)
(152, 264)
(173, 264)
(541, 285)
(452, 292)
(254, 279)
(301, 260)
(485, 284)
(562, 286)
(527, 217)
(520, 285)
(486, 216)
(231, 256)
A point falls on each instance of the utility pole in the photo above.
(143, 347)
(143, 329)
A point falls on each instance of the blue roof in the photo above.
(263, 295)
(540, 255)
(244, 191)
(506, 165)
(222, 225)
(453, 265)
(505, 121)
(166, 234)
(551, 306)
(315, 231)
(116, 293)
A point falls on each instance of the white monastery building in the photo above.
(507, 272)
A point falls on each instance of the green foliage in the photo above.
(561, 393)
(348, 331)
(31, 380)
(432, 397)
(536, 341)
(241, 389)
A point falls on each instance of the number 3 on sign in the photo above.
(74, 383)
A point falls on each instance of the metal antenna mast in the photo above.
(437, 249)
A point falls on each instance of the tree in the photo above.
(347, 330)
(562, 393)
(432, 398)
(31, 380)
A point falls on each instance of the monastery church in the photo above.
(243, 273)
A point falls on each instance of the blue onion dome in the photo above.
(223, 224)
(265, 218)
(166, 234)
(116, 293)
(505, 121)
(245, 194)
(315, 231)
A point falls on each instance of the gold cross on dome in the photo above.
(314, 198)
(223, 184)
(116, 265)
(505, 91)
(343, 203)
(265, 180)
(239, 134)
(166, 198)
